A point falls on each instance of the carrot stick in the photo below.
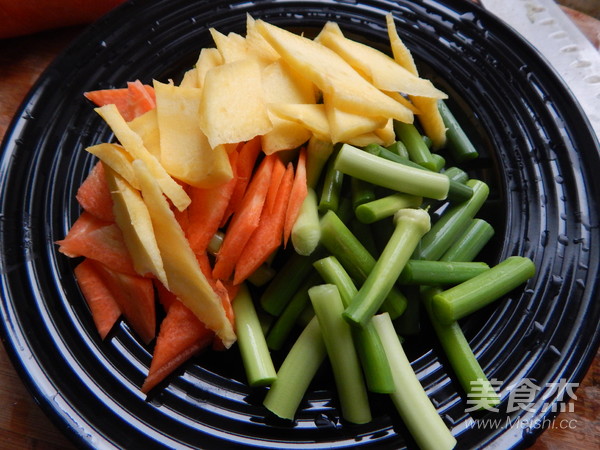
(140, 100)
(244, 221)
(118, 97)
(248, 153)
(205, 267)
(297, 196)
(181, 336)
(105, 309)
(207, 209)
(225, 294)
(132, 101)
(182, 216)
(97, 240)
(94, 195)
(269, 234)
(150, 91)
(135, 296)
(232, 292)
(279, 170)
(225, 290)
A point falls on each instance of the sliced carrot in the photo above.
(245, 220)
(150, 91)
(269, 234)
(105, 309)
(227, 291)
(297, 196)
(232, 292)
(98, 240)
(132, 101)
(165, 297)
(224, 289)
(181, 337)
(140, 99)
(207, 209)
(205, 267)
(118, 97)
(276, 178)
(233, 147)
(248, 154)
(94, 195)
(135, 296)
(182, 216)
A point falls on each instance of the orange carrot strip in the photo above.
(245, 221)
(297, 196)
(248, 153)
(97, 240)
(233, 147)
(181, 337)
(227, 292)
(165, 297)
(94, 195)
(207, 209)
(105, 309)
(232, 292)
(140, 100)
(118, 97)
(135, 296)
(268, 236)
(150, 91)
(205, 267)
(182, 216)
(276, 178)
(132, 101)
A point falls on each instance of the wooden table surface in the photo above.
(23, 425)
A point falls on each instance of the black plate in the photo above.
(538, 154)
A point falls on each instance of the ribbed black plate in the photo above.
(538, 155)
